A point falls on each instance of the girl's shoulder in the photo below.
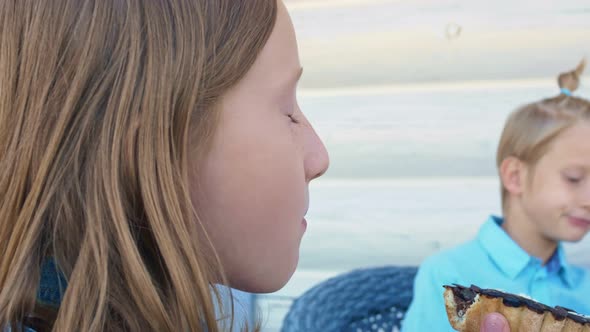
(26, 329)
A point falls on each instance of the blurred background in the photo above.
(410, 98)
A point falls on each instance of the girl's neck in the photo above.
(527, 235)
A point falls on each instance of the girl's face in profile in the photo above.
(251, 192)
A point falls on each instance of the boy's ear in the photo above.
(513, 175)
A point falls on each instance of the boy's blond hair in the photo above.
(530, 129)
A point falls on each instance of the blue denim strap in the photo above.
(52, 284)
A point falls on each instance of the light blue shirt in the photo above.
(494, 260)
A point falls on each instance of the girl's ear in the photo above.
(513, 175)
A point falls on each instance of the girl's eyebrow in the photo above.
(299, 74)
(289, 84)
(293, 81)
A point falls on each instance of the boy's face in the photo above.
(556, 197)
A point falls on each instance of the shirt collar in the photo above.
(504, 252)
(510, 258)
(564, 269)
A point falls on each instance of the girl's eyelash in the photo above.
(293, 119)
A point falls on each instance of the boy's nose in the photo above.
(585, 199)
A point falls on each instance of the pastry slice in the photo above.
(467, 307)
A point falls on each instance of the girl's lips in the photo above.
(579, 222)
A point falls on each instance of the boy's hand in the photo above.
(495, 322)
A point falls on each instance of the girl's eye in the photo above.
(293, 119)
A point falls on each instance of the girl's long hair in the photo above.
(100, 102)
